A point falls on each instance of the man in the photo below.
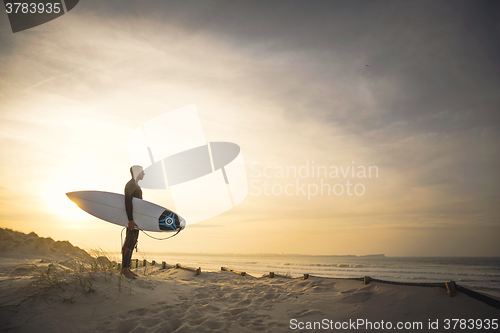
(132, 190)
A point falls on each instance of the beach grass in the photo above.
(68, 280)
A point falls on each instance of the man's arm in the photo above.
(129, 195)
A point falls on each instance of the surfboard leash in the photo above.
(178, 230)
(121, 236)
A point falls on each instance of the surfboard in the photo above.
(110, 207)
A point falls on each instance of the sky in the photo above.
(411, 89)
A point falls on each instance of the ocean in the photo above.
(477, 273)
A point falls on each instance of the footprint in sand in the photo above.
(150, 322)
(258, 326)
(267, 307)
(197, 321)
(213, 324)
(157, 309)
(356, 296)
(139, 312)
(320, 289)
(271, 296)
(172, 325)
(260, 300)
(306, 312)
(201, 295)
(145, 284)
(126, 326)
(210, 307)
(245, 302)
(237, 311)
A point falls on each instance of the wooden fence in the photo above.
(451, 287)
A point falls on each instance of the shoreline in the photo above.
(308, 255)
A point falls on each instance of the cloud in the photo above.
(288, 82)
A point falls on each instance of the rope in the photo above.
(178, 230)
(121, 235)
(491, 301)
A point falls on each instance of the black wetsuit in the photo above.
(132, 190)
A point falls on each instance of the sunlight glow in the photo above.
(58, 203)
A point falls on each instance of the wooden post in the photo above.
(144, 262)
(366, 280)
(450, 286)
(196, 270)
(136, 263)
(165, 265)
(284, 276)
(153, 263)
(306, 276)
(271, 275)
(231, 270)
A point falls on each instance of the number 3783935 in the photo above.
(32, 8)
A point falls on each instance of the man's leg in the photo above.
(135, 236)
(128, 248)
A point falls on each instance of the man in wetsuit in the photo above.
(132, 190)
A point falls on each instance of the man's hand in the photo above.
(132, 225)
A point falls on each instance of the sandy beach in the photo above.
(48, 293)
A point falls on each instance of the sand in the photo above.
(176, 300)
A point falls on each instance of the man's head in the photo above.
(137, 172)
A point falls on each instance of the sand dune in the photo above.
(15, 244)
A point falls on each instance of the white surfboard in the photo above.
(110, 207)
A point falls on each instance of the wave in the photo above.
(477, 272)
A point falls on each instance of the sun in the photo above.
(56, 201)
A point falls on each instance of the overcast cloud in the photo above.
(410, 86)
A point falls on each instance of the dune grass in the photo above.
(68, 280)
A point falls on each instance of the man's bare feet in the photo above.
(127, 273)
(132, 272)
